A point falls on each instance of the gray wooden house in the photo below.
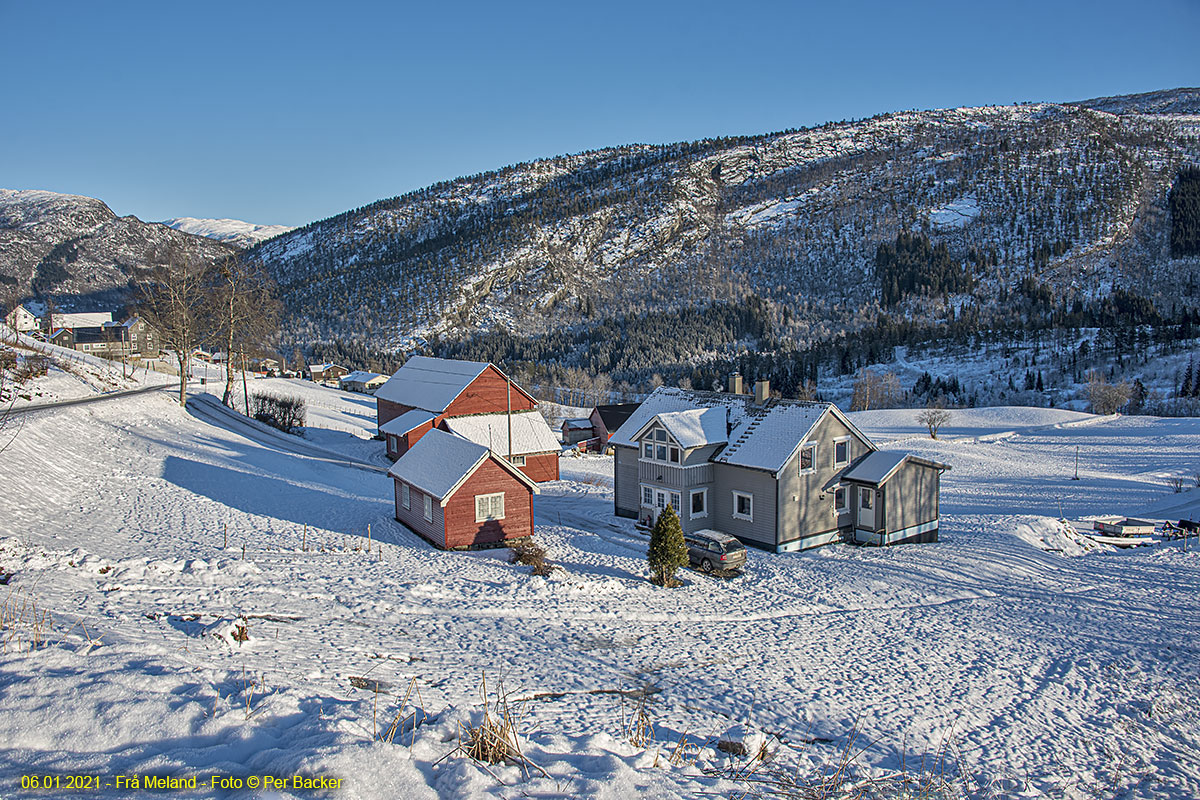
(782, 475)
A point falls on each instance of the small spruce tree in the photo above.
(668, 552)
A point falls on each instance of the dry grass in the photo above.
(937, 776)
(532, 554)
(23, 626)
(638, 727)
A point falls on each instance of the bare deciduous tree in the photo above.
(1105, 397)
(174, 298)
(934, 417)
(246, 310)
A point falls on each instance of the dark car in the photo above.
(711, 550)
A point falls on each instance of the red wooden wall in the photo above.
(487, 394)
(461, 528)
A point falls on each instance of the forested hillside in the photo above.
(648, 259)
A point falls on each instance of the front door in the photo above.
(866, 508)
(660, 498)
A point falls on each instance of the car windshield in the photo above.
(734, 546)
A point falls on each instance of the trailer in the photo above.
(1123, 527)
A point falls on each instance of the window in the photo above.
(675, 501)
(674, 455)
(647, 496)
(660, 435)
(866, 498)
(841, 453)
(647, 450)
(808, 458)
(428, 507)
(839, 500)
(699, 503)
(405, 499)
(517, 461)
(743, 506)
(489, 506)
(660, 452)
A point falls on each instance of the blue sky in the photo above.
(284, 113)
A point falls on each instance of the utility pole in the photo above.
(508, 388)
(245, 391)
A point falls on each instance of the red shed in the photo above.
(459, 495)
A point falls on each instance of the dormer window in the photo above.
(658, 446)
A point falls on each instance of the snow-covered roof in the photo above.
(361, 376)
(696, 427)
(877, 467)
(86, 319)
(430, 383)
(323, 367)
(530, 432)
(578, 424)
(759, 436)
(440, 462)
(406, 422)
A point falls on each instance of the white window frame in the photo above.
(675, 501)
(692, 513)
(647, 496)
(750, 497)
(841, 440)
(428, 507)
(845, 500)
(866, 499)
(647, 449)
(517, 461)
(812, 462)
(486, 506)
(405, 496)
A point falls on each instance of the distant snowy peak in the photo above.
(231, 231)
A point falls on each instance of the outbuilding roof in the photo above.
(875, 468)
(404, 423)
(760, 436)
(432, 383)
(530, 433)
(360, 376)
(440, 462)
(613, 416)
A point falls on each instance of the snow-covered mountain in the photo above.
(1028, 201)
(230, 231)
(67, 245)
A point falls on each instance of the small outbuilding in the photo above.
(458, 495)
(575, 431)
(362, 381)
(893, 498)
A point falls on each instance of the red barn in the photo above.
(427, 393)
(459, 495)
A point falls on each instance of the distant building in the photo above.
(606, 419)
(360, 381)
(459, 495)
(22, 320)
(326, 373)
(576, 430)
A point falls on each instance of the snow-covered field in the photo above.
(1047, 674)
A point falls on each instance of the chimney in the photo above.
(762, 390)
(735, 383)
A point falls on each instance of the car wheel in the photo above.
(706, 565)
